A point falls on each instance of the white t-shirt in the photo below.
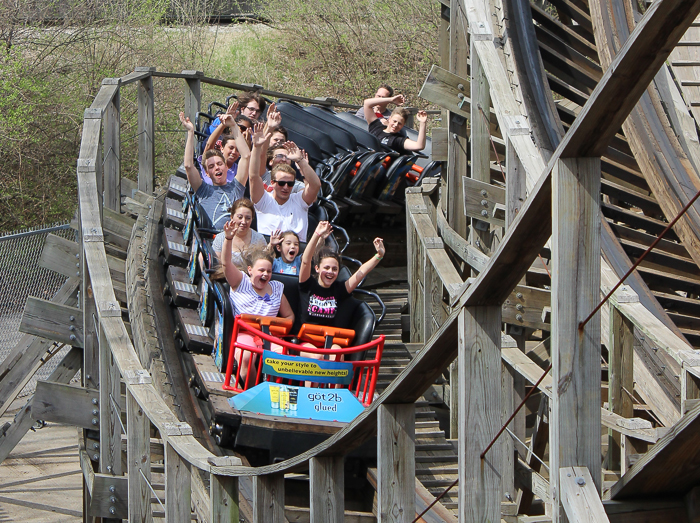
(293, 215)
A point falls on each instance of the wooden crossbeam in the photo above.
(579, 496)
(67, 404)
(52, 321)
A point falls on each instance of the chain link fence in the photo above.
(21, 277)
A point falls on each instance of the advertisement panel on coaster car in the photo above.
(306, 369)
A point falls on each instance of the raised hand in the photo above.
(274, 117)
(231, 228)
(233, 109)
(189, 126)
(422, 117)
(259, 136)
(276, 238)
(398, 99)
(379, 246)
(230, 122)
(293, 152)
(324, 229)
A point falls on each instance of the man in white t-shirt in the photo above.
(281, 209)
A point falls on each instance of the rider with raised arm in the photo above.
(390, 134)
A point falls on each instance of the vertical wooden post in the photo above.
(444, 51)
(112, 152)
(178, 491)
(620, 378)
(138, 452)
(268, 499)
(516, 188)
(396, 466)
(508, 445)
(479, 413)
(690, 388)
(110, 411)
(146, 132)
(193, 94)
(327, 489)
(480, 234)
(575, 425)
(223, 500)
(457, 142)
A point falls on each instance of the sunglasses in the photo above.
(281, 157)
(283, 183)
(243, 128)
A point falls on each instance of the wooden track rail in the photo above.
(461, 291)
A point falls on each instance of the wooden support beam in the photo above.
(23, 420)
(139, 461)
(396, 463)
(447, 90)
(620, 378)
(483, 201)
(177, 487)
(112, 152)
(193, 94)
(575, 424)
(327, 483)
(110, 411)
(67, 404)
(146, 133)
(60, 255)
(579, 496)
(457, 141)
(52, 321)
(268, 499)
(480, 406)
(516, 183)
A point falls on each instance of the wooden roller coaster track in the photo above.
(580, 121)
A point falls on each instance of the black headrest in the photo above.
(340, 137)
(291, 292)
(362, 136)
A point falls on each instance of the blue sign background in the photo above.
(295, 361)
(317, 404)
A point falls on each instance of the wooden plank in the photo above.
(579, 497)
(23, 420)
(620, 378)
(268, 499)
(110, 411)
(223, 499)
(146, 134)
(484, 201)
(516, 183)
(395, 463)
(193, 96)
(524, 307)
(67, 404)
(177, 487)
(25, 358)
(52, 321)
(476, 259)
(480, 406)
(60, 255)
(139, 460)
(112, 154)
(438, 139)
(447, 90)
(326, 485)
(575, 424)
(457, 140)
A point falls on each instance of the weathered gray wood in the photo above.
(25, 358)
(484, 202)
(110, 412)
(620, 378)
(480, 169)
(508, 447)
(480, 406)
(447, 90)
(60, 255)
(223, 499)
(112, 154)
(396, 466)
(268, 498)
(177, 487)
(91, 352)
(66, 404)
(139, 461)
(146, 133)
(327, 484)
(23, 421)
(193, 96)
(472, 256)
(575, 424)
(516, 183)
(52, 321)
(457, 141)
(579, 496)
(438, 140)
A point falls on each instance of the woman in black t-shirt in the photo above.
(322, 296)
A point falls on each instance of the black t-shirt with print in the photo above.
(392, 141)
(322, 306)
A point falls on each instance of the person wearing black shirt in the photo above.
(389, 135)
(322, 296)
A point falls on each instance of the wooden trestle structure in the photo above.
(546, 181)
